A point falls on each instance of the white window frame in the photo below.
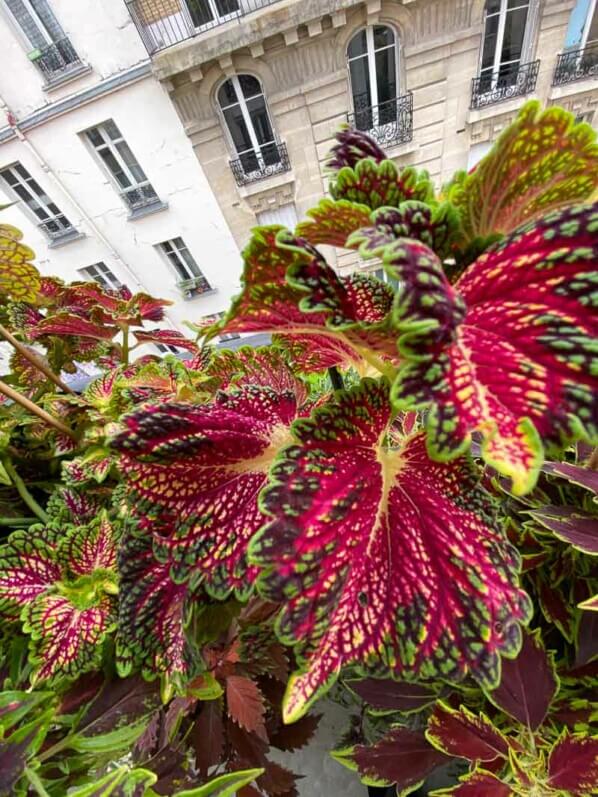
(370, 55)
(186, 284)
(108, 277)
(256, 147)
(588, 25)
(497, 64)
(68, 229)
(217, 18)
(38, 21)
(110, 144)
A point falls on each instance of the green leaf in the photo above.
(122, 782)
(206, 687)
(223, 786)
(119, 739)
(15, 705)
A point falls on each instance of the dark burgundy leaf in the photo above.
(573, 765)
(277, 781)
(13, 757)
(481, 784)
(297, 735)
(460, 732)
(587, 638)
(570, 525)
(83, 690)
(393, 695)
(403, 757)
(245, 704)
(583, 476)
(248, 748)
(208, 736)
(121, 701)
(528, 683)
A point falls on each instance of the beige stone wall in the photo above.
(303, 71)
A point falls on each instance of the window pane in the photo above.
(237, 128)
(31, 203)
(249, 162)
(49, 21)
(514, 32)
(95, 137)
(227, 94)
(249, 86)
(357, 45)
(517, 3)
(490, 38)
(190, 262)
(383, 36)
(27, 23)
(492, 6)
(270, 154)
(115, 168)
(259, 119)
(128, 157)
(593, 31)
(200, 11)
(112, 130)
(225, 7)
(386, 75)
(360, 84)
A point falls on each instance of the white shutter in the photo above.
(285, 215)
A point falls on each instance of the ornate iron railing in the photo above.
(139, 196)
(389, 122)
(512, 80)
(256, 165)
(576, 64)
(57, 227)
(56, 59)
(194, 287)
(162, 23)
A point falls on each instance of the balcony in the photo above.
(162, 23)
(194, 287)
(56, 227)
(576, 65)
(255, 165)
(388, 123)
(511, 80)
(57, 60)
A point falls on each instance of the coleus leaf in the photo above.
(528, 683)
(573, 765)
(366, 578)
(402, 756)
(198, 470)
(541, 162)
(352, 146)
(570, 525)
(520, 370)
(459, 732)
(293, 737)
(89, 547)
(168, 337)
(479, 783)
(121, 782)
(224, 785)
(28, 569)
(584, 477)
(245, 704)
(208, 736)
(389, 695)
(19, 278)
(70, 324)
(332, 222)
(65, 639)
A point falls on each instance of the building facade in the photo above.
(261, 85)
(104, 180)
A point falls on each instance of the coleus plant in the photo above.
(366, 499)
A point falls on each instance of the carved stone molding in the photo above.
(271, 198)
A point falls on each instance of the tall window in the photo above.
(101, 274)
(373, 70)
(244, 108)
(49, 217)
(503, 48)
(205, 13)
(583, 25)
(122, 165)
(192, 281)
(52, 51)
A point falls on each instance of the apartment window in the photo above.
(191, 280)
(580, 58)
(504, 42)
(164, 348)
(372, 56)
(243, 106)
(101, 274)
(583, 25)
(204, 13)
(122, 165)
(285, 215)
(52, 51)
(47, 214)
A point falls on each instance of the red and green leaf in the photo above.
(477, 784)
(584, 477)
(570, 525)
(389, 695)
(542, 162)
(332, 222)
(89, 548)
(459, 732)
(28, 569)
(70, 324)
(168, 337)
(522, 370)
(383, 559)
(573, 765)
(528, 683)
(19, 278)
(197, 470)
(352, 146)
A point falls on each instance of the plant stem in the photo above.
(593, 460)
(125, 348)
(336, 378)
(36, 783)
(35, 360)
(17, 397)
(17, 521)
(386, 369)
(23, 491)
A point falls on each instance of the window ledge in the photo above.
(267, 184)
(147, 210)
(67, 77)
(573, 87)
(399, 150)
(67, 238)
(195, 296)
(498, 108)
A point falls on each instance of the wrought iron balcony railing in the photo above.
(255, 165)
(56, 59)
(389, 122)
(576, 64)
(57, 227)
(162, 23)
(194, 287)
(140, 196)
(511, 80)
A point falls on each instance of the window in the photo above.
(243, 106)
(101, 274)
(52, 51)
(477, 152)
(285, 215)
(583, 25)
(117, 158)
(373, 71)
(164, 348)
(204, 13)
(191, 280)
(504, 42)
(47, 214)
